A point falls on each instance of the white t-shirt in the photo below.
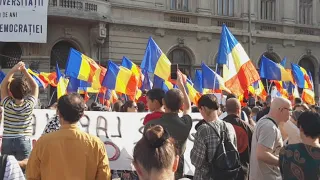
(293, 132)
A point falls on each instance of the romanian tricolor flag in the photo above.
(109, 95)
(301, 77)
(212, 80)
(273, 71)
(311, 79)
(238, 72)
(197, 81)
(259, 90)
(308, 96)
(127, 63)
(155, 61)
(120, 79)
(282, 88)
(81, 66)
(36, 77)
(49, 78)
(194, 95)
(146, 83)
(62, 83)
(162, 84)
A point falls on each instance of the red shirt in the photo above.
(144, 100)
(152, 116)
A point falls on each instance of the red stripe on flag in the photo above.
(132, 86)
(243, 79)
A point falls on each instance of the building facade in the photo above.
(188, 31)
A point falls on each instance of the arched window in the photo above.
(272, 56)
(180, 5)
(60, 54)
(181, 57)
(308, 65)
(226, 7)
(10, 55)
(305, 12)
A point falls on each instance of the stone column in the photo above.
(314, 12)
(289, 12)
(205, 7)
(97, 37)
(244, 7)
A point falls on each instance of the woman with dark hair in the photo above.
(117, 106)
(155, 155)
(129, 106)
(302, 161)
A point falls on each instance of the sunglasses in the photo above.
(135, 107)
(290, 110)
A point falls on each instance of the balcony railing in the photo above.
(74, 4)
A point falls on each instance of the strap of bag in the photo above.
(272, 121)
(3, 161)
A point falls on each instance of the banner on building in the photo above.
(119, 132)
(23, 21)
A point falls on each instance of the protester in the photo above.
(143, 99)
(155, 155)
(178, 127)
(243, 133)
(292, 129)
(18, 109)
(251, 101)
(141, 107)
(154, 102)
(117, 106)
(266, 109)
(254, 112)
(10, 168)
(207, 137)
(129, 106)
(267, 142)
(248, 112)
(243, 114)
(302, 161)
(69, 153)
(300, 107)
(297, 101)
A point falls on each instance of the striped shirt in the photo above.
(17, 118)
(13, 170)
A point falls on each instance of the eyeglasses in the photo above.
(290, 110)
(135, 107)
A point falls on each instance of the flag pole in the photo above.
(52, 97)
(214, 80)
(267, 86)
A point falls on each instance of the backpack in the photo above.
(3, 161)
(226, 162)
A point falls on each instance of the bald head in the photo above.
(233, 106)
(280, 109)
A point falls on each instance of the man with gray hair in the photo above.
(267, 142)
(244, 135)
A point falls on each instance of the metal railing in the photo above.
(74, 4)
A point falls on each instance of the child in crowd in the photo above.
(155, 105)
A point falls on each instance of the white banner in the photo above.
(23, 20)
(119, 132)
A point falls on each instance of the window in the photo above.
(268, 10)
(305, 12)
(60, 54)
(10, 55)
(180, 5)
(226, 7)
(181, 57)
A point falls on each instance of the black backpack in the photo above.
(3, 164)
(226, 162)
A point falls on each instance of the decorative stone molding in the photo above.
(98, 35)
(181, 33)
(269, 48)
(132, 28)
(180, 41)
(289, 43)
(67, 32)
(308, 52)
(160, 32)
(204, 36)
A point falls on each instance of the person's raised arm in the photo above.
(6, 81)
(33, 84)
(186, 99)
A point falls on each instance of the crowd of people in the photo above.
(272, 140)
